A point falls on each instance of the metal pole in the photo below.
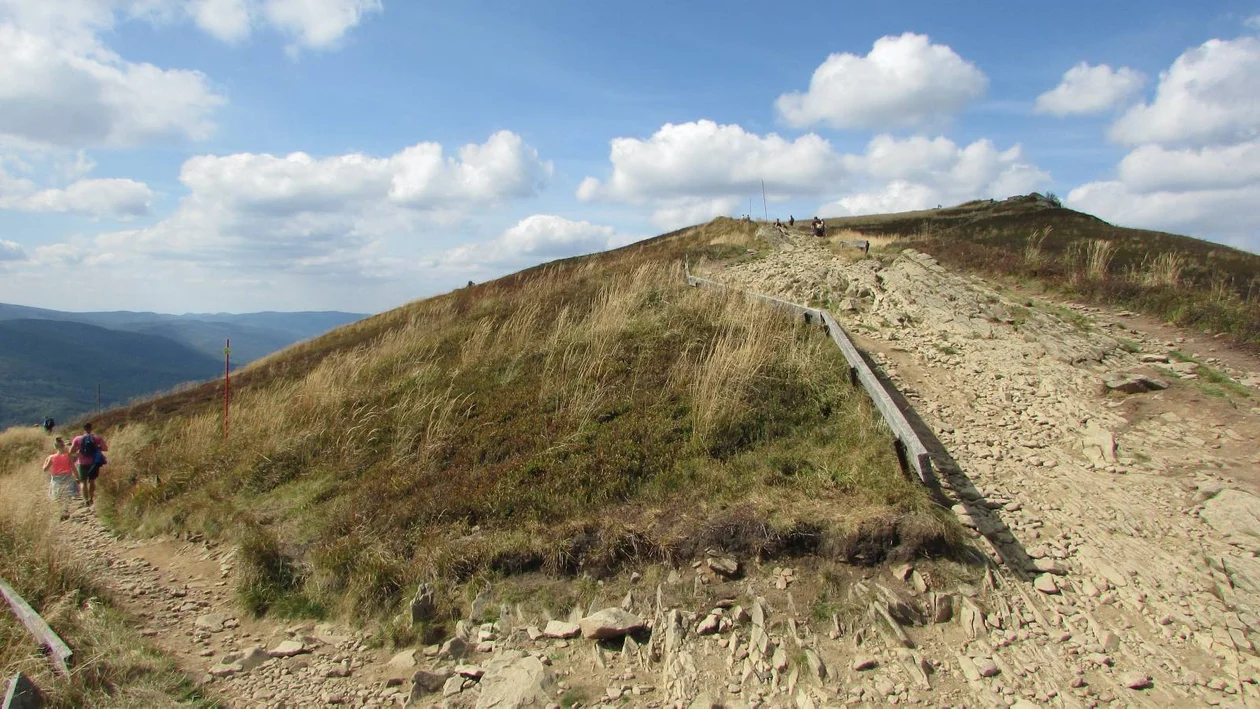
(764, 207)
(227, 384)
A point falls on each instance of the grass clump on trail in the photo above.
(112, 666)
(570, 418)
(1184, 281)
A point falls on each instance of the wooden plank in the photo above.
(915, 452)
(59, 652)
(22, 694)
(910, 447)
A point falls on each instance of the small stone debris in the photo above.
(561, 630)
(1153, 359)
(986, 667)
(723, 566)
(404, 660)
(423, 604)
(211, 622)
(1046, 584)
(427, 682)
(864, 662)
(609, 623)
(288, 648)
(1134, 383)
(1050, 566)
(709, 625)
(1135, 679)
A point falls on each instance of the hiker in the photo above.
(49, 423)
(820, 228)
(62, 484)
(778, 224)
(791, 221)
(91, 451)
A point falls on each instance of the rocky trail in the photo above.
(1116, 527)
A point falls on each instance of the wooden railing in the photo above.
(910, 449)
(58, 652)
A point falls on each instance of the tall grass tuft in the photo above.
(1098, 256)
(1034, 256)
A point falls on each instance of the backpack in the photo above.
(88, 447)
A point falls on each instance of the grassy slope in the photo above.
(113, 666)
(569, 418)
(1185, 281)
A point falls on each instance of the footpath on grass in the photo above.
(183, 599)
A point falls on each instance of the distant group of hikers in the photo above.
(817, 226)
(73, 469)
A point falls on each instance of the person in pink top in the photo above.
(90, 449)
(62, 483)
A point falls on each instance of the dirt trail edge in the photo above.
(1126, 522)
(181, 594)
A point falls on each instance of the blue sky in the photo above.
(232, 155)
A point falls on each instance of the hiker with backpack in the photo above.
(49, 424)
(91, 451)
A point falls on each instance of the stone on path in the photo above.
(423, 604)
(1134, 383)
(427, 682)
(1099, 446)
(986, 667)
(1135, 679)
(211, 622)
(609, 623)
(561, 629)
(515, 680)
(287, 648)
(864, 662)
(454, 685)
(1047, 565)
(1045, 583)
(404, 660)
(723, 565)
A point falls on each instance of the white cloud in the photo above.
(904, 81)
(1089, 89)
(918, 173)
(298, 212)
(11, 251)
(1195, 167)
(119, 198)
(695, 171)
(541, 237)
(692, 172)
(1226, 214)
(317, 24)
(1210, 95)
(1253, 22)
(1153, 168)
(226, 20)
(75, 95)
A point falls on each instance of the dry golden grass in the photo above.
(1163, 270)
(575, 417)
(112, 665)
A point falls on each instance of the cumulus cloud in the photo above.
(302, 212)
(540, 237)
(11, 251)
(1089, 89)
(1210, 95)
(317, 24)
(904, 81)
(118, 198)
(76, 94)
(692, 171)
(1195, 167)
(918, 172)
(226, 20)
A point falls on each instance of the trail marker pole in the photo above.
(764, 207)
(227, 384)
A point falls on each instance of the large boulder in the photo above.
(513, 680)
(609, 623)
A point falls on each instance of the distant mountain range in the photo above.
(51, 361)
